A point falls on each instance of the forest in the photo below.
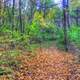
(39, 39)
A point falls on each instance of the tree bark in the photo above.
(65, 29)
(20, 17)
(13, 10)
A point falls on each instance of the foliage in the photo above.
(74, 34)
(76, 3)
(40, 29)
(53, 13)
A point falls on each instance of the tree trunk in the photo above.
(77, 17)
(20, 17)
(1, 7)
(65, 29)
(13, 10)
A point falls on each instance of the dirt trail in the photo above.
(48, 64)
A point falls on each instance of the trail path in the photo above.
(48, 64)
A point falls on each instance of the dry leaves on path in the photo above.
(48, 64)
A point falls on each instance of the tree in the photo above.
(13, 10)
(20, 16)
(1, 11)
(65, 24)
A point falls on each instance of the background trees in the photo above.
(38, 20)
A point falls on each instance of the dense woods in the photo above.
(32, 30)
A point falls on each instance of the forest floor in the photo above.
(42, 64)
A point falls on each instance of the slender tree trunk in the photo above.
(65, 29)
(68, 16)
(65, 5)
(13, 10)
(77, 15)
(4, 9)
(20, 17)
(1, 12)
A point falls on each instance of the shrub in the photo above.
(74, 34)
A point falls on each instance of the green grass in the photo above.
(8, 61)
(5, 70)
